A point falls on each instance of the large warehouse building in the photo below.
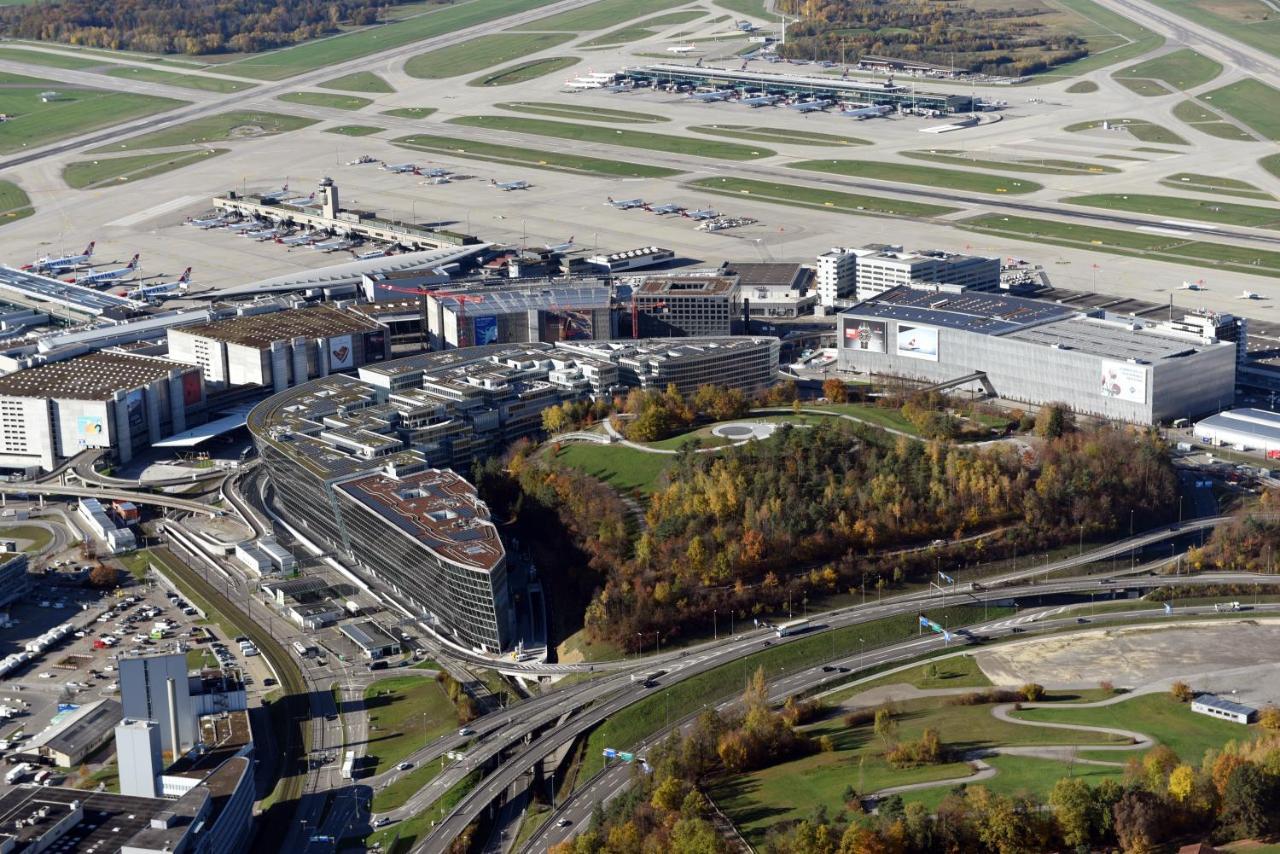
(281, 348)
(112, 400)
(1121, 368)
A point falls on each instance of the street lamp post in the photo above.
(862, 654)
(715, 626)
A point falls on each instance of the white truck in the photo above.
(17, 772)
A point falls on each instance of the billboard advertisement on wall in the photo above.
(486, 330)
(91, 432)
(1124, 381)
(918, 342)
(137, 411)
(191, 388)
(342, 355)
(375, 344)
(868, 336)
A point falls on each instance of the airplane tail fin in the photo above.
(185, 277)
(88, 250)
(133, 262)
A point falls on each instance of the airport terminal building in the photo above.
(1121, 368)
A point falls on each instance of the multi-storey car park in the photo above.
(355, 461)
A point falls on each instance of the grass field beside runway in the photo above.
(76, 111)
(186, 81)
(647, 28)
(326, 99)
(1181, 70)
(526, 71)
(91, 174)
(601, 15)
(360, 81)
(1213, 184)
(410, 112)
(578, 111)
(521, 156)
(1250, 102)
(929, 176)
(1139, 129)
(1141, 244)
(1176, 207)
(1110, 38)
(610, 136)
(1250, 23)
(50, 59)
(1044, 167)
(14, 203)
(810, 197)
(1207, 121)
(777, 135)
(216, 128)
(354, 130)
(481, 53)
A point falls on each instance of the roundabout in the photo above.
(742, 431)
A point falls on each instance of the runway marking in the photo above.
(1189, 224)
(1169, 231)
(157, 210)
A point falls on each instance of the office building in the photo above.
(836, 275)
(746, 363)
(880, 269)
(15, 579)
(700, 306)
(122, 402)
(518, 314)
(117, 539)
(1226, 710)
(770, 291)
(156, 688)
(373, 640)
(1120, 368)
(138, 758)
(279, 349)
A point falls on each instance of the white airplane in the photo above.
(1193, 286)
(759, 101)
(682, 48)
(662, 210)
(399, 168)
(809, 106)
(436, 181)
(269, 234)
(560, 247)
(369, 256)
(58, 265)
(862, 113)
(508, 186)
(436, 172)
(209, 222)
(161, 289)
(245, 225)
(361, 160)
(1249, 295)
(708, 97)
(335, 245)
(625, 204)
(298, 239)
(106, 275)
(705, 213)
(593, 80)
(260, 234)
(275, 196)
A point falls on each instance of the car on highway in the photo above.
(564, 822)
(404, 766)
(465, 731)
(382, 821)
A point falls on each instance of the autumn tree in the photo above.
(103, 576)
(834, 390)
(1031, 692)
(1182, 692)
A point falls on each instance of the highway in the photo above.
(167, 501)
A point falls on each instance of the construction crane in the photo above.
(635, 315)
(423, 293)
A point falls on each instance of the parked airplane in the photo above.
(160, 290)
(861, 113)
(269, 234)
(593, 80)
(335, 245)
(708, 97)
(437, 172)
(260, 234)
(760, 101)
(682, 48)
(398, 168)
(298, 239)
(275, 196)
(625, 204)
(809, 106)
(370, 255)
(560, 247)
(59, 265)
(666, 209)
(246, 224)
(508, 186)
(106, 275)
(706, 213)
(209, 222)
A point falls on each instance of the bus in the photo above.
(794, 627)
(302, 649)
(349, 765)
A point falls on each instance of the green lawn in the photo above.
(959, 671)
(1271, 163)
(642, 29)
(1250, 102)
(480, 53)
(361, 81)
(405, 713)
(52, 60)
(777, 135)
(399, 838)
(1142, 86)
(77, 111)
(326, 99)
(1156, 715)
(577, 111)
(611, 136)
(539, 159)
(286, 62)
(1082, 88)
(578, 647)
(89, 174)
(410, 112)
(1029, 775)
(1249, 23)
(217, 128)
(1139, 129)
(623, 468)
(187, 81)
(1215, 185)
(1044, 166)
(405, 786)
(809, 197)
(1111, 38)
(1182, 69)
(929, 176)
(1207, 121)
(37, 538)
(14, 203)
(753, 8)
(601, 15)
(1228, 213)
(877, 415)
(524, 71)
(354, 130)
(1128, 242)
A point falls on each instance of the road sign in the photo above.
(610, 753)
(627, 757)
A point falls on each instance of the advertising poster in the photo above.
(918, 342)
(133, 404)
(486, 330)
(1124, 381)
(866, 335)
(91, 432)
(191, 388)
(341, 354)
(375, 344)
